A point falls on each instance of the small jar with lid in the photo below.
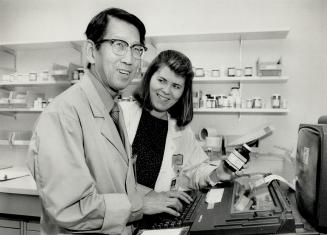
(238, 72)
(220, 100)
(215, 73)
(248, 71)
(80, 73)
(257, 103)
(238, 158)
(249, 103)
(75, 75)
(199, 72)
(276, 101)
(231, 72)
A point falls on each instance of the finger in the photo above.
(175, 203)
(182, 196)
(171, 211)
(185, 197)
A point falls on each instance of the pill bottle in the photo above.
(215, 73)
(231, 72)
(238, 72)
(275, 101)
(236, 159)
(249, 103)
(75, 75)
(257, 103)
(248, 71)
(220, 100)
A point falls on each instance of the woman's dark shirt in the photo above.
(149, 146)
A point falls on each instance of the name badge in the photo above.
(177, 160)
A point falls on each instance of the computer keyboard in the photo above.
(165, 220)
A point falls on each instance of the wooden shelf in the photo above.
(240, 110)
(221, 36)
(19, 46)
(20, 110)
(36, 83)
(77, 44)
(254, 79)
(7, 70)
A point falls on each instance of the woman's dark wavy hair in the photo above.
(181, 65)
(97, 27)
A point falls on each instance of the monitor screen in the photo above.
(307, 159)
(311, 171)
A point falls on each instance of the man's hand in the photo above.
(168, 202)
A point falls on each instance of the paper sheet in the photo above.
(173, 231)
(11, 173)
(270, 178)
(214, 196)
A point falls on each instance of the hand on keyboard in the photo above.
(182, 196)
(164, 220)
(168, 202)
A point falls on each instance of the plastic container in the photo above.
(276, 101)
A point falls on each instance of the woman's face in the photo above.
(165, 89)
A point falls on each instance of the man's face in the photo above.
(117, 71)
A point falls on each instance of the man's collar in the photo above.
(106, 96)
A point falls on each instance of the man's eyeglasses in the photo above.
(119, 47)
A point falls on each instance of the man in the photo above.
(79, 156)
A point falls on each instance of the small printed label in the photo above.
(305, 155)
(177, 159)
(235, 161)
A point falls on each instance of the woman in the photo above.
(168, 157)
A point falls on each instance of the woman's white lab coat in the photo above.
(196, 167)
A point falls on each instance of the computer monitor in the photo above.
(311, 172)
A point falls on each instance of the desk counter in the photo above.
(19, 196)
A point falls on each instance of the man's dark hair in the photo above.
(181, 65)
(96, 29)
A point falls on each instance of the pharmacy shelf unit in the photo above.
(11, 49)
(239, 37)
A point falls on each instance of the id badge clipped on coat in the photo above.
(177, 163)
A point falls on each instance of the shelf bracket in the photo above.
(11, 52)
(78, 46)
(239, 116)
(9, 114)
(240, 41)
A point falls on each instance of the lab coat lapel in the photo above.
(123, 130)
(105, 123)
(109, 130)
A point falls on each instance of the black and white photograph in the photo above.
(148, 117)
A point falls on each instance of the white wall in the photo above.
(324, 29)
(304, 50)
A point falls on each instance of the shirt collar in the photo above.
(105, 96)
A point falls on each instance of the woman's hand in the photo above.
(168, 202)
(223, 174)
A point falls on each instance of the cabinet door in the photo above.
(9, 227)
(9, 231)
(33, 233)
